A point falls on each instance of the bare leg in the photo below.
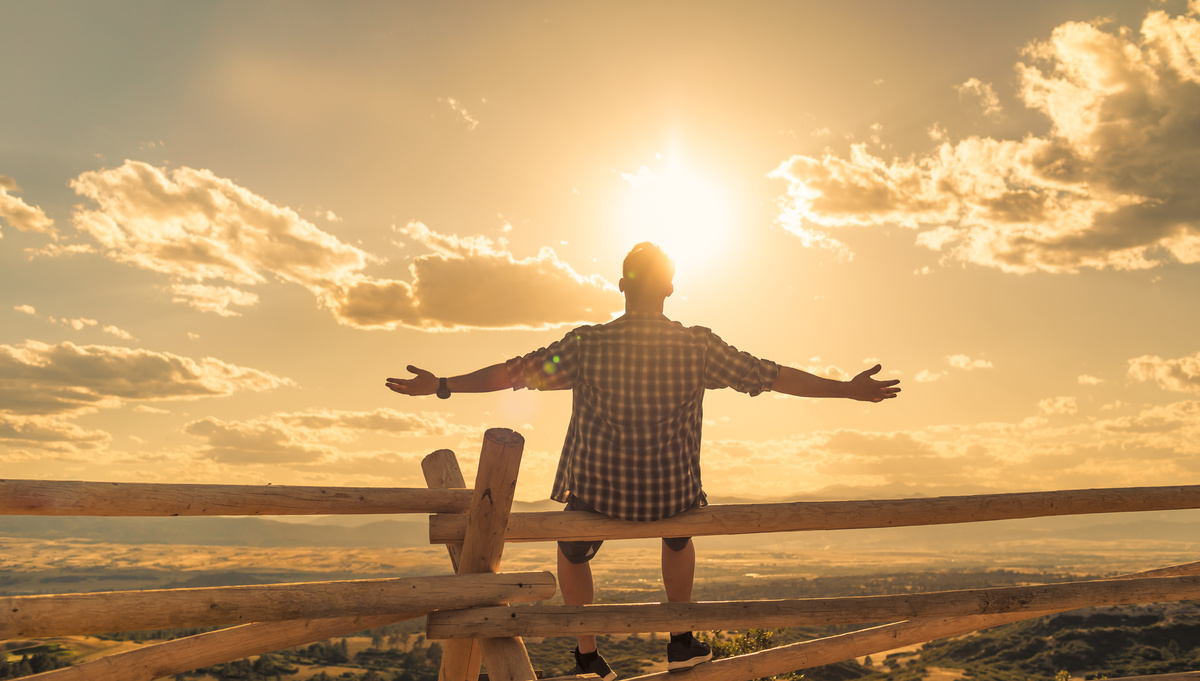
(575, 581)
(678, 571)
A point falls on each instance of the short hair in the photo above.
(646, 264)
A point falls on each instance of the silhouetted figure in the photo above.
(632, 449)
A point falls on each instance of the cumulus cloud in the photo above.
(196, 227)
(474, 282)
(1111, 185)
(38, 379)
(306, 437)
(1178, 375)
(214, 239)
(19, 214)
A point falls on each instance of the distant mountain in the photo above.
(1163, 529)
(219, 531)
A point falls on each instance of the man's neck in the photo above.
(644, 306)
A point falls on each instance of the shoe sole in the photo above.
(685, 665)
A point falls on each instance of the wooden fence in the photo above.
(471, 610)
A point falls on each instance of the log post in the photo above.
(442, 471)
(483, 547)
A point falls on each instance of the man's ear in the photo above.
(621, 285)
(670, 289)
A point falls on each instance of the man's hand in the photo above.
(424, 383)
(864, 388)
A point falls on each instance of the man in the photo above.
(632, 449)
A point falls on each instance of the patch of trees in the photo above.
(31, 664)
(1094, 642)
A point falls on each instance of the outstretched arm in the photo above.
(862, 387)
(485, 380)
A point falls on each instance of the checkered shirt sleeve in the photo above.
(632, 448)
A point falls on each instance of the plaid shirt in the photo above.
(633, 444)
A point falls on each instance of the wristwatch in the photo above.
(443, 391)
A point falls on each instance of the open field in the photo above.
(730, 568)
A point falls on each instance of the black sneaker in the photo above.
(681, 656)
(597, 666)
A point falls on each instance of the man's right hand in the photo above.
(865, 388)
(423, 383)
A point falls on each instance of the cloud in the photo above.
(47, 432)
(983, 93)
(967, 364)
(214, 239)
(22, 216)
(254, 442)
(463, 115)
(1177, 375)
(1088, 379)
(305, 438)
(474, 282)
(42, 379)
(216, 299)
(927, 376)
(1058, 405)
(1111, 185)
(78, 323)
(195, 227)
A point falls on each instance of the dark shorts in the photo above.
(578, 552)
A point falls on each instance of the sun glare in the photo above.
(684, 212)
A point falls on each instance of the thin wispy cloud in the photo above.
(461, 112)
(982, 94)
(43, 387)
(306, 437)
(1106, 187)
(65, 378)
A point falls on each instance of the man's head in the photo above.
(647, 274)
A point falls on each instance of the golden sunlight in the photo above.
(684, 212)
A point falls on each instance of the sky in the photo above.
(223, 225)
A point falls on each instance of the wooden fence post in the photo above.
(483, 547)
(442, 471)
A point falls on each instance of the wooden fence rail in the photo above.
(69, 497)
(542, 621)
(87, 613)
(830, 515)
(160, 660)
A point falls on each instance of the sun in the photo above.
(680, 209)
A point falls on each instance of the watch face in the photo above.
(443, 391)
